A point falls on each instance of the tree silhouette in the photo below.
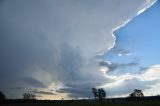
(29, 96)
(2, 96)
(99, 94)
(137, 93)
(95, 93)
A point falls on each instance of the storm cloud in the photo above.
(34, 82)
(50, 41)
(42, 92)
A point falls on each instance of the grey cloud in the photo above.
(34, 83)
(82, 88)
(78, 90)
(71, 62)
(1, 1)
(114, 66)
(57, 39)
(18, 88)
(143, 69)
(39, 92)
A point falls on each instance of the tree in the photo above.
(95, 93)
(137, 93)
(2, 96)
(29, 96)
(103, 94)
(99, 94)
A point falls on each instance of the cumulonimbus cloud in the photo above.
(56, 40)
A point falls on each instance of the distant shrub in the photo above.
(2, 96)
(136, 93)
(28, 96)
(99, 94)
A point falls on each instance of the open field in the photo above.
(109, 102)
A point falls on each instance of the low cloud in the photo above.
(126, 83)
(34, 83)
(120, 51)
(39, 92)
(115, 66)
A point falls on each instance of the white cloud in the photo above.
(148, 81)
(151, 73)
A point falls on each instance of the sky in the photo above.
(136, 51)
(62, 48)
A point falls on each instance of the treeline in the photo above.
(98, 93)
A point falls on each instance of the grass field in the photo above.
(151, 102)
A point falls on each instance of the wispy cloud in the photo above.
(40, 92)
(34, 82)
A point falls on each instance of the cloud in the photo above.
(76, 92)
(18, 88)
(127, 86)
(42, 92)
(121, 52)
(34, 83)
(151, 73)
(122, 85)
(114, 66)
(48, 41)
(1, 1)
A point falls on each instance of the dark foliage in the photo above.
(29, 96)
(136, 93)
(99, 94)
(2, 96)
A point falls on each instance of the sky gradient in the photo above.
(136, 52)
